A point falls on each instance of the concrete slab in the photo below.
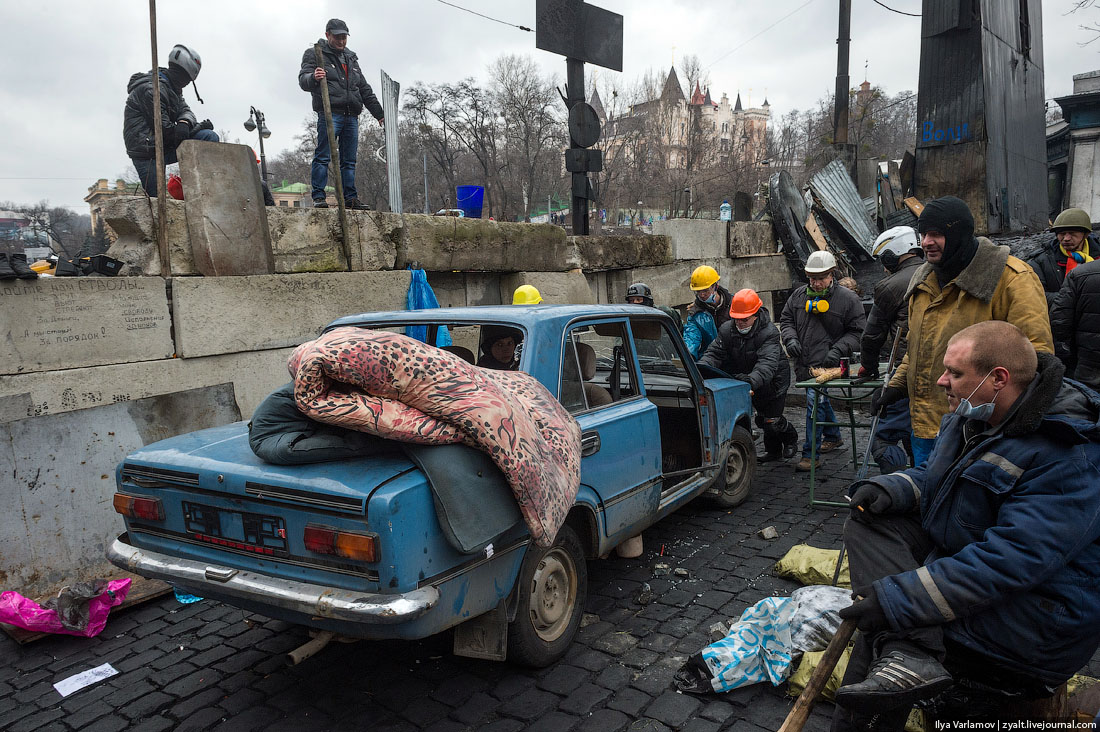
(232, 314)
(693, 238)
(443, 243)
(254, 375)
(224, 205)
(618, 252)
(133, 221)
(67, 322)
(763, 273)
(752, 237)
(556, 288)
(308, 240)
(59, 479)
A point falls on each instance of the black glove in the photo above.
(205, 125)
(869, 498)
(742, 377)
(794, 349)
(831, 359)
(869, 615)
(886, 396)
(865, 374)
(182, 132)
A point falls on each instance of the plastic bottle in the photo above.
(725, 212)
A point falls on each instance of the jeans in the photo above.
(147, 169)
(825, 414)
(346, 127)
(922, 448)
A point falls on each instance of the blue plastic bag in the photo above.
(421, 297)
(757, 647)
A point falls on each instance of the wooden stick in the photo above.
(805, 702)
(334, 157)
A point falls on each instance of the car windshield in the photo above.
(496, 346)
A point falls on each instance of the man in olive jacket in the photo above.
(747, 348)
(964, 280)
(348, 93)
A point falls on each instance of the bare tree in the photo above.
(57, 227)
(433, 112)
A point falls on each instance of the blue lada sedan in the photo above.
(361, 548)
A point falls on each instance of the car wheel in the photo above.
(734, 482)
(552, 587)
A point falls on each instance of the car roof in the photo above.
(524, 316)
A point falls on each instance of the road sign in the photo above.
(578, 30)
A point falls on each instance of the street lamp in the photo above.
(256, 119)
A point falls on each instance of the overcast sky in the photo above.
(66, 63)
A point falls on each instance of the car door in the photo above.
(620, 435)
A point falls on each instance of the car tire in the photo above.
(734, 482)
(551, 590)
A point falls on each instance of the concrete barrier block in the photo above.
(752, 237)
(449, 288)
(556, 288)
(762, 272)
(254, 375)
(622, 252)
(485, 289)
(133, 220)
(444, 243)
(671, 283)
(226, 216)
(56, 516)
(308, 240)
(67, 322)
(694, 238)
(232, 314)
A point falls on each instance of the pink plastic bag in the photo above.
(27, 614)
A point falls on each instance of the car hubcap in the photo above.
(553, 594)
(735, 466)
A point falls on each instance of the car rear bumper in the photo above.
(300, 597)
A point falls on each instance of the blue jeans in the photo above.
(922, 448)
(346, 128)
(825, 414)
(147, 169)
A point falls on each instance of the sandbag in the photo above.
(812, 566)
(817, 616)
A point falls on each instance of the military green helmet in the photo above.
(1073, 219)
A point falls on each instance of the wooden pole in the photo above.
(158, 144)
(334, 156)
(800, 712)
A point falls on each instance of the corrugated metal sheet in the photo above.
(835, 192)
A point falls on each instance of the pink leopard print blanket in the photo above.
(396, 387)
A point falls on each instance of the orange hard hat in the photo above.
(745, 303)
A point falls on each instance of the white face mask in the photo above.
(744, 330)
(977, 411)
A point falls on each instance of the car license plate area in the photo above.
(251, 532)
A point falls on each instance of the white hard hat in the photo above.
(899, 241)
(820, 263)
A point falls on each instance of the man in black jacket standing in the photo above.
(348, 93)
(1075, 323)
(178, 122)
(747, 348)
(820, 324)
(899, 252)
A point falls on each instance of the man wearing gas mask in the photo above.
(964, 280)
(977, 573)
(821, 323)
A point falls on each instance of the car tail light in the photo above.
(348, 544)
(140, 507)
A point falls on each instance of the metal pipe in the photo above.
(304, 651)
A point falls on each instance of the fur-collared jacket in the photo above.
(994, 286)
(1013, 514)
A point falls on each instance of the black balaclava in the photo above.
(178, 78)
(951, 217)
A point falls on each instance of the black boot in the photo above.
(18, 264)
(6, 272)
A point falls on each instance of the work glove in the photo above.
(869, 498)
(831, 359)
(865, 374)
(181, 132)
(867, 611)
(794, 348)
(205, 125)
(742, 377)
(882, 398)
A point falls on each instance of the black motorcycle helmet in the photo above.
(640, 289)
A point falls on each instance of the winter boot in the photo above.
(6, 272)
(18, 264)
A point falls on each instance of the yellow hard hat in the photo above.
(526, 295)
(703, 277)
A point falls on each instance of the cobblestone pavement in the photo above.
(212, 666)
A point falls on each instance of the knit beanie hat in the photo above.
(951, 217)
